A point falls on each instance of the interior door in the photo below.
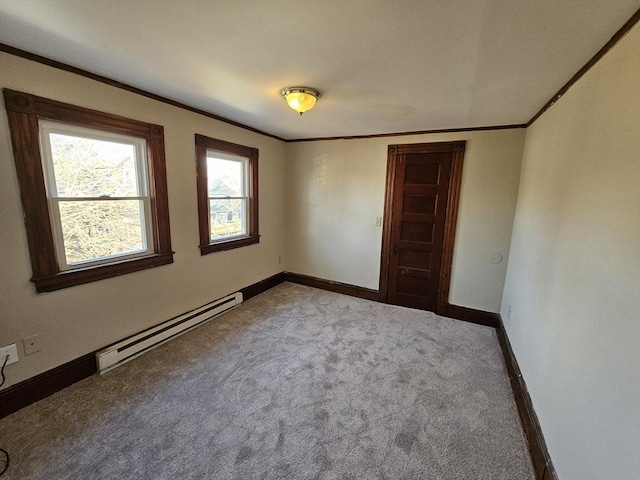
(416, 223)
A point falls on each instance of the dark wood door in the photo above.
(417, 207)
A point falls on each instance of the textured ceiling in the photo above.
(381, 66)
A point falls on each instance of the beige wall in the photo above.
(81, 319)
(571, 298)
(335, 191)
(573, 282)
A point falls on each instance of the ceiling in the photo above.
(381, 66)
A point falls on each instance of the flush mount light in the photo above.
(300, 99)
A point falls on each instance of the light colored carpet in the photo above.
(296, 383)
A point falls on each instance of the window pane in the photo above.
(85, 167)
(227, 218)
(97, 229)
(225, 177)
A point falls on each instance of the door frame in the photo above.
(455, 181)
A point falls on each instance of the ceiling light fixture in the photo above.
(300, 99)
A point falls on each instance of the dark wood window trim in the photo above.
(23, 112)
(203, 144)
(455, 183)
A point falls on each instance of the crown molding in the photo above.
(587, 66)
(114, 83)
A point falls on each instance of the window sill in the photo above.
(79, 276)
(229, 244)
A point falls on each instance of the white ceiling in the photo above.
(381, 66)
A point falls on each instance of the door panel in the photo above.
(417, 227)
(420, 174)
(417, 232)
(420, 203)
(410, 258)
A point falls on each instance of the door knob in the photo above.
(395, 249)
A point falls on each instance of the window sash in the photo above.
(61, 246)
(243, 161)
(244, 185)
(48, 127)
(244, 215)
(142, 180)
(223, 197)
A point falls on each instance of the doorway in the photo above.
(421, 206)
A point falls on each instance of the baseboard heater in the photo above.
(121, 352)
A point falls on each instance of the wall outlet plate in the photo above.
(32, 344)
(10, 350)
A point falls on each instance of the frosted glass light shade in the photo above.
(300, 99)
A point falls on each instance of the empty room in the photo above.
(320, 239)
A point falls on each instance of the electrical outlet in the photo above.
(32, 344)
(10, 350)
(509, 312)
(279, 260)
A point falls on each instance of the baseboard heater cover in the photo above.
(129, 348)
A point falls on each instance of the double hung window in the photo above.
(227, 191)
(227, 194)
(93, 189)
(97, 186)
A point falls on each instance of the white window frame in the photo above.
(244, 161)
(47, 127)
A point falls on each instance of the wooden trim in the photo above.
(24, 139)
(225, 147)
(41, 386)
(472, 315)
(254, 199)
(455, 182)
(416, 132)
(263, 285)
(67, 113)
(587, 66)
(229, 244)
(202, 190)
(70, 278)
(204, 143)
(332, 286)
(158, 191)
(36, 388)
(383, 288)
(114, 83)
(455, 186)
(542, 463)
(465, 314)
(550, 472)
(23, 112)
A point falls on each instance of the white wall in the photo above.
(77, 320)
(573, 279)
(335, 191)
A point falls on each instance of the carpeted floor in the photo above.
(296, 383)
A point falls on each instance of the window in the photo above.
(93, 188)
(227, 194)
(98, 194)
